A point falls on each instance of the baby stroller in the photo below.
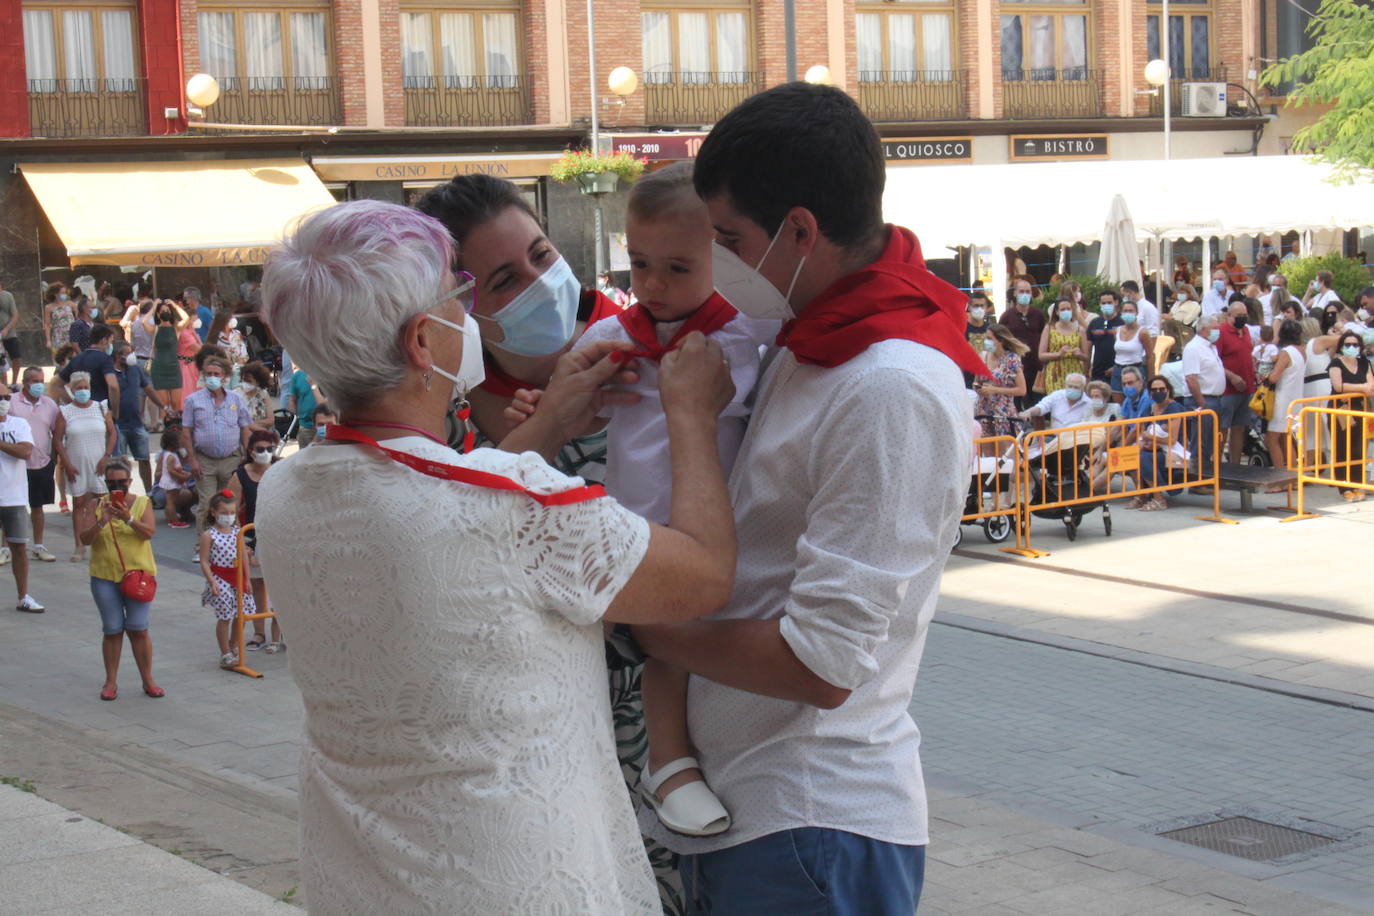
(1255, 453)
(284, 421)
(1063, 472)
(993, 479)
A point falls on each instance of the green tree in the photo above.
(1339, 71)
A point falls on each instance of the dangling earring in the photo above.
(429, 376)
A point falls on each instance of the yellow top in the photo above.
(138, 552)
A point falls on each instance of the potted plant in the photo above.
(596, 173)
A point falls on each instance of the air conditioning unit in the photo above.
(1204, 100)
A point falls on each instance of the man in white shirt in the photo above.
(801, 686)
(1148, 311)
(16, 445)
(1064, 407)
(48, 429)
(1205, 377)
(1215, 299)
(1319, 293)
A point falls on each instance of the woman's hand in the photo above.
(100, 467)
(120, 512)
(695, 377)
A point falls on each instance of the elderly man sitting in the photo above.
(1064, 407)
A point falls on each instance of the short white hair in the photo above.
(344, 282)
(1075, 375)
(77, 377)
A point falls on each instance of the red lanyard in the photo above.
(340, 433)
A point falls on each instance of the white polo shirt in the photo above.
(1063, 412)
(1200, 358)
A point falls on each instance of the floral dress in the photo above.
(233, 344)
(61, 324)
(1058, 370)
(998, 409)
(224, 554)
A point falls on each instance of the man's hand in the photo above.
(193, 466)
(695, 377)
(1234, 380)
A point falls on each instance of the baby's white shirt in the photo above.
(638, 463)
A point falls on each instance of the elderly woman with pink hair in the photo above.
(446, 609)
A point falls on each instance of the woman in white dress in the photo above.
(446, 609)
(90, 437)
(1319, 345)
(1287, 379)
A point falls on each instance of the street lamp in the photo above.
(1157, 75)
(202, 91)
(819, 75)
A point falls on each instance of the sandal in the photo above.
(1155, 505)
(112, 694)
(1140, 502)
(156, 693)
(257, 642)
(691, 810)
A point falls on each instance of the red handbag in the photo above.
(136, 585)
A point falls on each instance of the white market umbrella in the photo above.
(1119, 258)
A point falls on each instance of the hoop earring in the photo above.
(429, 376)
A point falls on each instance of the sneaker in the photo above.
(228, 660)
(44, 555)
(28, 605)
(195, 557)
(5, 556)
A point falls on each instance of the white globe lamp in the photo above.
(818, 75)
(1156, 72)
(623, 81)
(202, 90)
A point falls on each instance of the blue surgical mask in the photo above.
(1066, 314)
(81, 395)
(1128, 317)
(109, 350)
(1351, 352)
(540, 320)
(1073, 394)
(1130, 391)
(1098, 404)
(213, 382)
(1214, 335)
(1023, 298)
(37, 390)
(95, 313)
(1108, 310)
(989, 344)
(1219, 285)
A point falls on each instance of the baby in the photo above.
(669, 236)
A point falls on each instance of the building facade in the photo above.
(420, 90)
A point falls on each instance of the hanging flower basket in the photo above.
(596, 174)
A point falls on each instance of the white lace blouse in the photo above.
(458, 754)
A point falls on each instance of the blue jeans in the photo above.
(807, 871)
(132, 440)
(118, 613)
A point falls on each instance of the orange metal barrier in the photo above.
(1078, 467)
(1349, 432)
(992, 489)
(242, 581)
(1290, 448)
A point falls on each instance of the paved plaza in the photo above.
(1073, 708)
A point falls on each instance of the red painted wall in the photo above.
(14, 88)
(159, 23)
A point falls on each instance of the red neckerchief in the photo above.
(594, 303)
(714, 314)
(894, 298)
(337, 432)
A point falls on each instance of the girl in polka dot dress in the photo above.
(218, 561)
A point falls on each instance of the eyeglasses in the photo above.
(1159, 390)
(465, 292)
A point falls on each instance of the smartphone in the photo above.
(117, 498)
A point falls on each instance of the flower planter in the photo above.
(597, 182)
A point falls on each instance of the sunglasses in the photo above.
(1163, 390)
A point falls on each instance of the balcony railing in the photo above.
(1048, 93)
(456, 101)
(692, 98)
(1185, 75)
(917, 95)
(276, 100)
(87, 108)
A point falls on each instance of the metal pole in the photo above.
(1166, 38)
(597, 233)
(789, 25)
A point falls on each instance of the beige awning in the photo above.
(174, 214)
(432, 168)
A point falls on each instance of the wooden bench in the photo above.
(1247, 479)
